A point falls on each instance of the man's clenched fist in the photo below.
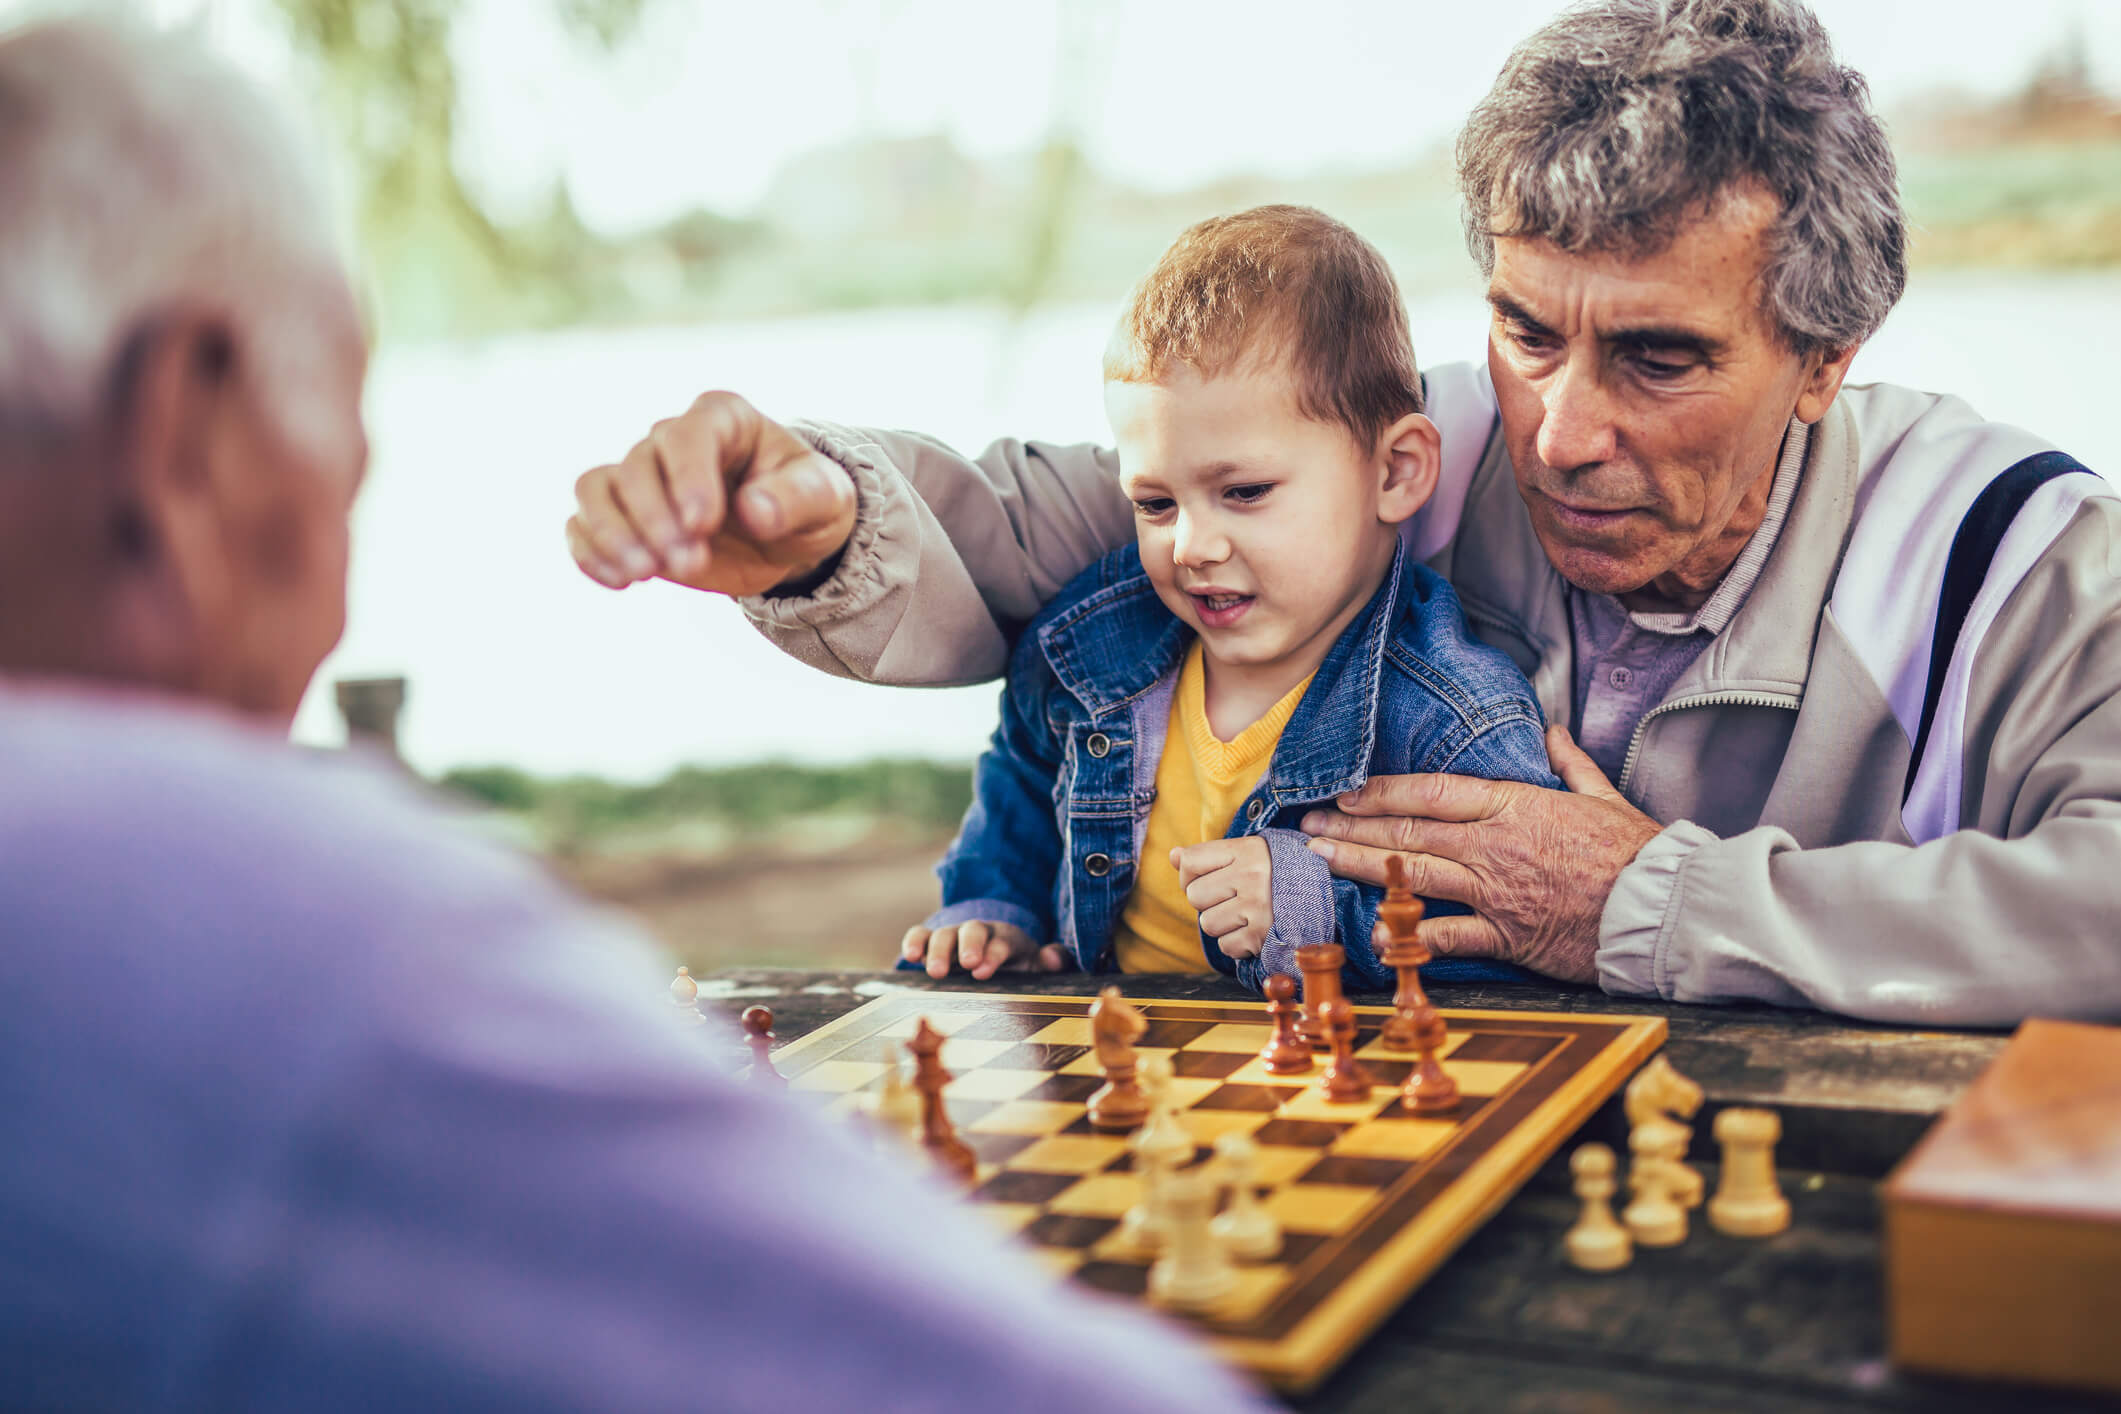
(719, 498)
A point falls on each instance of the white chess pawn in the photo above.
(1160, 1146)
(1597, 1243)
(1655, 1218)
(895, 1111)
(1747, 1202)
(1245, 1227)
(684, 993)
(1195, 1271)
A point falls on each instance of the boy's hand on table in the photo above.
(1231, 884)
(719, 498)
(981, 949)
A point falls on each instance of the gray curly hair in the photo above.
(1622, 119)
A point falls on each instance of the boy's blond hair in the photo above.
(1277, 282)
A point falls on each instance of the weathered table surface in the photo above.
(1792, 1323)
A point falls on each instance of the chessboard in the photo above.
(1370, 1197)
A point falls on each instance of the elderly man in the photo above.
(1831, 671)
(312, 1100)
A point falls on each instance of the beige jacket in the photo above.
(1791, 869)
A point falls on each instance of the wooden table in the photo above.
(1792, 1323)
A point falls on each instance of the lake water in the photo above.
(462, 583)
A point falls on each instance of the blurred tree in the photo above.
(389, 88)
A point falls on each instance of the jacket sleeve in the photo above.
(2018, 915)
(1001, 867)
(1314, 905)
(950, 556)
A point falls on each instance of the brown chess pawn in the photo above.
(1285, 1054)
(1398, 918)
(1345, 1079)
(1320, 964)
(940, 1140)
(758, 1030)
(1115, 1025)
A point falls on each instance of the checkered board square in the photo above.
(1371, 1197)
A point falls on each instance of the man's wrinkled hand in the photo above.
(1230, 883)
(719, 498)
(981, 949)
(1534, 865)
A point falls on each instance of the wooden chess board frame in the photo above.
(1371, 1197)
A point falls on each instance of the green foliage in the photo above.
(926, 794)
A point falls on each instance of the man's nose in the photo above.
(1576, 427)
(1196, 542)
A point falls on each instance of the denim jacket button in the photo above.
(1256, 809)
(1097, 865)
(1098, 744)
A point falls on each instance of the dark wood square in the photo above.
(1356, 1171)
(1262, 1098)
(1171, 1035)
(1037, 1055)
(1387, 1072)
(1300, 1133)
(1118, 1278)
(1209, 1065)
(1125, 1162)
(1014, 1186)
(1067, 1229)
(1494, 1046)
(1068, 1089)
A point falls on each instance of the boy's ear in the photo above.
(1411, 457)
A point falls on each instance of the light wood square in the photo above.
(947, 1022)
(961, 1054)
(1027, 1117)
(1009, 1217)
(1381, 1051)
(993, 1084)
(1395, 1138)
(1255, 1072)
(1319, 1207)
(1232, 1036)
(838, 1076)
(1102, 1195)
(1311, 1103)
(1278, 1164)
(1087, 1064)
(1064, 1031)
(1256, 1286)
(1483, 1077)
(1115, 1246)
(1068, 1153)
(1206, 1126)
(1061, 1260)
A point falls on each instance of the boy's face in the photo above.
(1266, 531)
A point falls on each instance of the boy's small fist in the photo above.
(979, 948)
(1231, 884)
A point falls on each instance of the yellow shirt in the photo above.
(1200, 782)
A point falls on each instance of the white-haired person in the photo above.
(310, 1100)
(1833, 674)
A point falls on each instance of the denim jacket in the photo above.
(1061, 797)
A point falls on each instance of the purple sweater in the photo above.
(312, 1100)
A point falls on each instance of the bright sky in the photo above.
(713, 95)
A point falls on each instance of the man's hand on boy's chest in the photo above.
(1535, 865)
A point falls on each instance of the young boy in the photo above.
(1266, 646)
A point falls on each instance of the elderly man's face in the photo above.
(1643, 401)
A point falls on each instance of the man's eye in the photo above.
(1152, 506)
(1659, 368)
(1251, 493)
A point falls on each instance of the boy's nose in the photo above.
(1195, 544)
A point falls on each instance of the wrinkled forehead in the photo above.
(1711, 269)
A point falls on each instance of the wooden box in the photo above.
(2003, 1226)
